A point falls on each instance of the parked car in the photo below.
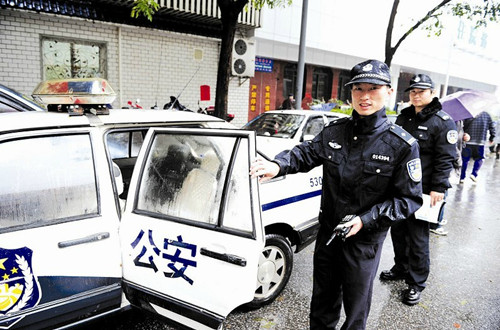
(13, 101)
(158, 205)
(278, 130)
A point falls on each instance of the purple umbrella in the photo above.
(467, 104)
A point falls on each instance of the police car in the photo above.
(13, 101)
(100, 208)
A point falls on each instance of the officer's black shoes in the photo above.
(411, 296)
(390, 275)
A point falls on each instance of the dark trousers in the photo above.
(344, 273)
(475, 152)
(410, 239)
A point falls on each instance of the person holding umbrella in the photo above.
(437, 136)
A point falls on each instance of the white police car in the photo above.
(154, 204)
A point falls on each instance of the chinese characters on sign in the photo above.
(264, 64)
(171, 252)
(254, 96)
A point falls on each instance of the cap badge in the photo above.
(368, 67)
(417, 79)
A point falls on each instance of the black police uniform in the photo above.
(437, 136)
(370, 169)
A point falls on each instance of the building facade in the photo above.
(147, 62)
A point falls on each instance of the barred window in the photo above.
(65, 58)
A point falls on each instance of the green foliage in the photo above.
(147, 8)
(258, 4)
(480, 14)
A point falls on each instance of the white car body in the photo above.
(71, 242)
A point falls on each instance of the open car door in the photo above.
(191, 233)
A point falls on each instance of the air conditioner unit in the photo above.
(243, 57)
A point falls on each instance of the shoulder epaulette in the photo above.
(443, 115)
(401, 133)
(338, 121)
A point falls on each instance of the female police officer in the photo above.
(371, 175)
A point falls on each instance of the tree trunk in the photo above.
(389, 50)
(230, 10)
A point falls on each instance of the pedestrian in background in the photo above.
(289, 103)
(477, 128)
(495, 148)
(371, 175)
(437, 136)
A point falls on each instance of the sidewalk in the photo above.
(463, 289)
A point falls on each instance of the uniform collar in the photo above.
(369, 123)
(429, 110)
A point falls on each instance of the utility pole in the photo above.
(302, 56)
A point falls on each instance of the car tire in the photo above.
(275, 267)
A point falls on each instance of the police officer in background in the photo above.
(371, 177)
(437, 137)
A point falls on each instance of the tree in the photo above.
(488, 11)
(230, 10)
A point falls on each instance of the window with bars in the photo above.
(65, 58)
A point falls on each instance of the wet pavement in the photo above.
(463, 289)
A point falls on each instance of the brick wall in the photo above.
(154, 64)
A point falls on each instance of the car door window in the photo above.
(60, 184)
(185, 178)
(125, 144)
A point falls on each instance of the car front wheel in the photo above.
(275, 267)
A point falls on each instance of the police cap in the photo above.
(421, 81)
(371, 72)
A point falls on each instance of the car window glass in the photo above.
(280, 125)
(238, 214)
(6, 108)
(184, 176)
(118, 143)
(314, 126)
(60, 184)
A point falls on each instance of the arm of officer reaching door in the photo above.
(264, 169)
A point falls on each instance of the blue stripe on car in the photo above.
(290, 200)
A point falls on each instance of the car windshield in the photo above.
(282, 125)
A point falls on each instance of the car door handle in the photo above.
(88, 239)
(231, 258)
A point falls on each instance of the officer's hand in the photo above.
(355, 225)
(436, 197)
(264, 170)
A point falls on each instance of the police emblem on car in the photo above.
(414, 168)
(19, 287)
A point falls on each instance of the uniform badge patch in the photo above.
(19, 287)
(452, 136)
(414, 169)
(334, 145)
